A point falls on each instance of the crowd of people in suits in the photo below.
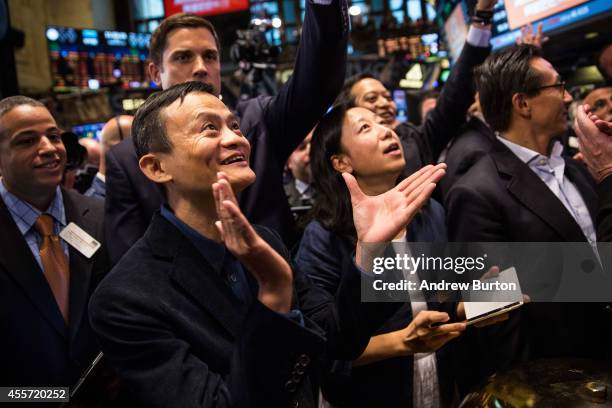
(185, 267)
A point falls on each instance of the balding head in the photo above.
(93, 151)
(115, 130)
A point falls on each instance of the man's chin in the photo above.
(240, 181)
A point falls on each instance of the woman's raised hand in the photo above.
(380, 218)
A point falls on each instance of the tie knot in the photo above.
(44, 225)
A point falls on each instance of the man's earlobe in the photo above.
(154, 73)
(153, 168)
(341, 163)
(521, 105)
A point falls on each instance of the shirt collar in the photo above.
(535, 160)
(212, 251)
(28, 214)
(523, 153)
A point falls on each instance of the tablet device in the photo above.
(493, 311)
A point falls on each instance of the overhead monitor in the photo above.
(93, 59)
(511, 15)
(205, 7)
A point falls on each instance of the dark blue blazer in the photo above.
(36, 346)
(386, 383)
(274, 126)
(500, 199)
(473, 142)
(175, 333)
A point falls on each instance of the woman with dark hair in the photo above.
(353, 157)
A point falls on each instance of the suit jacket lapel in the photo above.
(16, 257)
(534, 194)
(194, 275)
(80, 266)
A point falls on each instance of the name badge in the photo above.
(80, 240)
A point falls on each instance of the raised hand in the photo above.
(486, 4)
(595, 142)
(272, 272)
(380, 218)
(529, 36)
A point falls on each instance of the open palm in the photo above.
(380, 218)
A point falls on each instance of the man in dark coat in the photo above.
(185, 48)
(45, 281)
(204, 310)
(524, 190)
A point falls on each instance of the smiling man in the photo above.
(186, 47)
(201, 310)
(45, 281)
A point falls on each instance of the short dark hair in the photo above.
(149, 125)
(159, 37)
(11, 102)
(500, 77)
(346, 97)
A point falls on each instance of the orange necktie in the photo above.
(54, 261)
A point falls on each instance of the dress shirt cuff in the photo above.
(478, 37)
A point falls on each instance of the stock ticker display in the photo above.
(90, 59)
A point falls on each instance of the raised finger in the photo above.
(416, 189)
(405, 182)
(430, 174)
(225, 184)
(418, 198)
(240, 223)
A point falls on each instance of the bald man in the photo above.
(115, 130)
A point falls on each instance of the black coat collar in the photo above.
(193, 274)
(533, 193)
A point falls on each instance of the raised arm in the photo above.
(445, 119)
(317, 77)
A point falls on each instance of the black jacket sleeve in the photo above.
(123, 211)
(445, 120)
(604, 214)
(317, 77)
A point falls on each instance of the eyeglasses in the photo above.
(560, 85)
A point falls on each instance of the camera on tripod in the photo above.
(251, 49)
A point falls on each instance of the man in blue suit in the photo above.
(186, 48)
